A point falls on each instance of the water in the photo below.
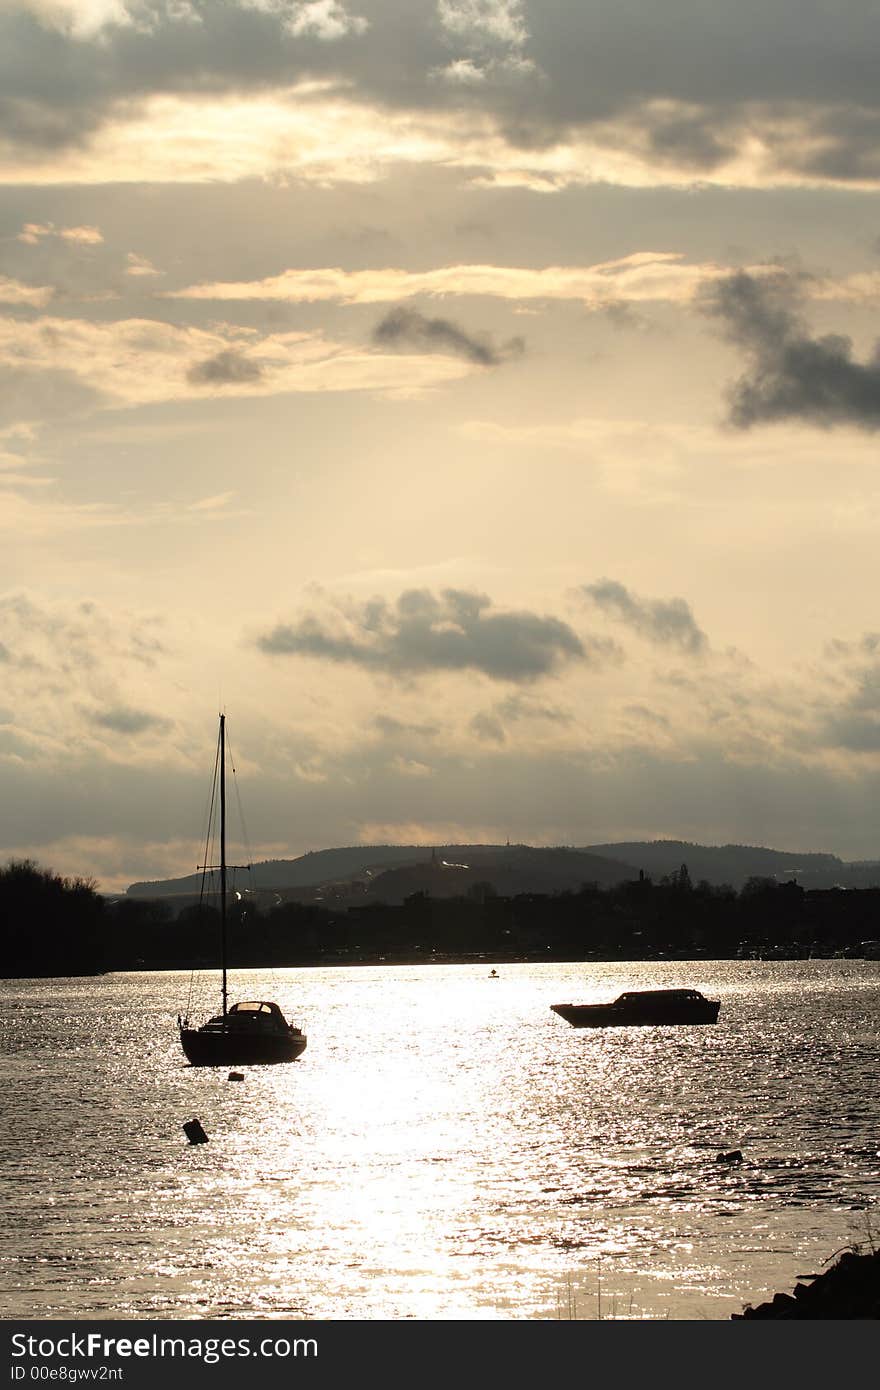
(445, 1148)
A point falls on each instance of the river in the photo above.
(446, 1148)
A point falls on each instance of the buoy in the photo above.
(194, 1132)
(235, 1076)
(735, 1156)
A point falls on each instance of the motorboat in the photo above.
(643, 1008)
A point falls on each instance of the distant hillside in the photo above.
(309, 870)
(507, 871)
(364, 870)
(355, 871)
(734, 864)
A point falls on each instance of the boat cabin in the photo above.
(251, 1015)
(256, 1013)
(671, 996)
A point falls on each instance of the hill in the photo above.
(391, 872)
(506, 871)
(362, 871)
(734, 864)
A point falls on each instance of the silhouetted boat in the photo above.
(254, 1031)
(642, 1008)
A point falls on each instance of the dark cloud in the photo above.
(488, 728)
(859, 733)
(791, 375)
(868, 645)
(649, 716)
(844, 145)
(57, 88)
(524, 707)
(124, 719)
(622, 315)
(29, 393)
(855, 723)
(229, 367)
(395, 728)
(688, 79)
(406, 330)
(421, 632)
(669, 622)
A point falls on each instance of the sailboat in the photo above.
(255, 1030)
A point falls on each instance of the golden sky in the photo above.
(479, 400)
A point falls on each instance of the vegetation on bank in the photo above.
(50, 925)
(60, 926)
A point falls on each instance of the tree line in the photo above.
(52, 925)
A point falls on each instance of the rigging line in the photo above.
(244, 833)
(251, 876)
(208, 859)
(210, 828)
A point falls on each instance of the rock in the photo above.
(849, 1289)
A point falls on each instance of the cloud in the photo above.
(545, 93)
(642, 276)
(406, 330)
(484, 23)
(82, 19)
(123, 719)
(13, 292)
(488, 728)
(493, 35)
(32, 233)
(64, 639)
(217, 502)
(856, 731)
(41, 393)
(668, 622)
(324, 19)
(490, 725)
(227, 367)
(390, 727)
(792, 375)
(74, 670)
(648, 716)
(136, 265)
(56, 364)
(853, 723)
(423, 632)
(608, 288)
(410, 767)
(520, 706)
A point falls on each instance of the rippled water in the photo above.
(445, 1148)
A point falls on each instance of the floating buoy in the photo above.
(194, 1132)
(735, 1156)
(235, 1076)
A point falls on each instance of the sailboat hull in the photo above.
(217, 1047)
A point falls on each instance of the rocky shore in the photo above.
(850, 1288)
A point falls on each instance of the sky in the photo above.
(477, 400)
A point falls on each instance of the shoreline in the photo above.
(437, 958)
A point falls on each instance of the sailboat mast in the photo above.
(223, 854)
